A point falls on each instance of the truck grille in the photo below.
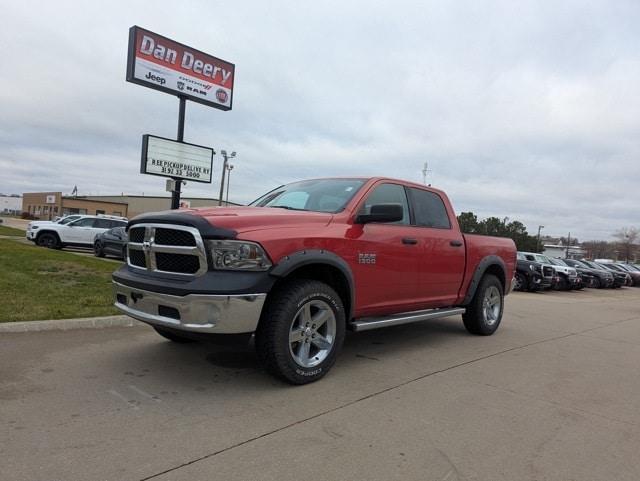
(547, 271)
(171, 249)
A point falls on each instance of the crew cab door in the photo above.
(386, 255)
(442, 259)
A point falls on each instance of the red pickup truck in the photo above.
(307, 261)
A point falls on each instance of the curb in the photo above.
(66, 324)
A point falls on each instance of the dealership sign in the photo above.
(178, 160)
(163, 64)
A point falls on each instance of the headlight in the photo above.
(33, 227)
(531, 267)
(238, 256)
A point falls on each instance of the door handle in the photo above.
(455, 243)
(409, 241)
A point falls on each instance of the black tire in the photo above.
(284, 318)
(173, 335)
(521, 283)
(477, 319)
(563, 284)
(596, 284)
(48, 240)
(98, 249)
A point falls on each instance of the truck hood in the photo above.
(245, 219)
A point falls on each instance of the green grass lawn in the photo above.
(4, 230)
(38, 283)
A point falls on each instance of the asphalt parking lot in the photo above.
(554, 395)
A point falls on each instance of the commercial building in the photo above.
(559, 250)
(139, 204)
(10, 204)
(48, 205)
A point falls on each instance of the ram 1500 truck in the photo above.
(307, 261)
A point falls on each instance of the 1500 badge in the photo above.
(366, 258)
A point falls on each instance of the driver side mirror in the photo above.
(382, 213)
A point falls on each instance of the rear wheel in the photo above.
(301, 331)
(172, 335)
(48, 240)
(484, 313)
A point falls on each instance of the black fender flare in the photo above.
(303, 258)
(483, 265)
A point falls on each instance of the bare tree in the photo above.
(628, 239)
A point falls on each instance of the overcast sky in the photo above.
(527, 110)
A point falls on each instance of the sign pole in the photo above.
(175, 195)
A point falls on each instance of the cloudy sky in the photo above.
(527, 110)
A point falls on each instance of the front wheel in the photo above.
(301, 331)
(563, 284)
(484, 313)
(48, 240)
(521, 283)
(98, 249)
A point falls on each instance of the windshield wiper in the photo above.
(287, 207)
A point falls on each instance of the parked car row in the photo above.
(78, 231)
(539, 272)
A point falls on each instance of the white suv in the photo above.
(80, 232)
(32, 227)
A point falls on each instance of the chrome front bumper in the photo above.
(204, 313)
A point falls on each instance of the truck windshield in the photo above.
(322, 195)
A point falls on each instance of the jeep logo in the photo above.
(155, 78)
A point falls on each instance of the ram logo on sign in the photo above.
(163, 64)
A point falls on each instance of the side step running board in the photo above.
(367, 323)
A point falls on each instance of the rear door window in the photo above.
(103, 224)
(88, 222)
(429, 209)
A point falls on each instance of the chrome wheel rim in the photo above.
(518, 283)
(312, 333)
(491, 305)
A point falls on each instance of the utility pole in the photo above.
(540, 227)
(568, 244)
(224, 170)
(230, 168)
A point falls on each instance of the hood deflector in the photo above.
(207, 230)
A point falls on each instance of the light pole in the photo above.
(628, 248)
(540, 227)
(230, 168)
(224, 170)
